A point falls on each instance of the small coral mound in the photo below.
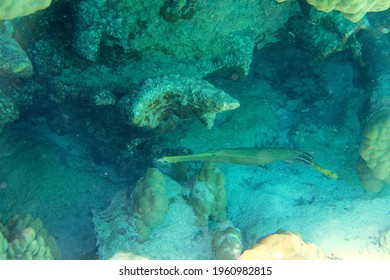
(352, 10)
(150, 201)
(10, 9)
(208, 196)
(375, 148)
(227, 244)
(283, 245)
(24, 238)
(164, 99)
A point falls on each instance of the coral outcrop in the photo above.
(352, 10)
(208, 196)
(150, 201)
(374, 166)
(164, 99)
(375, 144)
(24, 238)
(10, 9)
(227, 243)
(283, 245)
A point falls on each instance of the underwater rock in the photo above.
(163, 99)
(193, 38)
(19, 8)
(8, 110)
(14, 63)
(25, 238)
(323, 34)
(283, 245)
(46, 59)
(92, 18)
(173, 10)
(65, 92)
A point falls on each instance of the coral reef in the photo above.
(163, 99)
(10, 9)
(24, 238)
(208, 196)
(283, 245)
(149, 201)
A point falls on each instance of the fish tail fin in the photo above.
(307, 158)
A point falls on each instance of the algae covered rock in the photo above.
(164, 99)
(143, 39)
(8, 110)
(14, 63)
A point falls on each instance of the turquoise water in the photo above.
(72, 152)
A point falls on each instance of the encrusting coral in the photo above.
(10, 9)
(164, 99)
(24, 238)
(150, 201)
(352, 10)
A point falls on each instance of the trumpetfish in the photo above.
(252, 156)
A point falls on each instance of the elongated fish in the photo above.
(251, 156)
